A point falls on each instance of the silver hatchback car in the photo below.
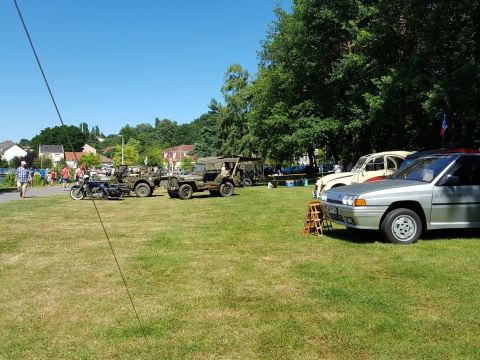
(434, 192)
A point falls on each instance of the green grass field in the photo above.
(230, 278)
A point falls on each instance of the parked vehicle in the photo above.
(218, 175)
(325, 168)
(89, 188)
(417, 154)
(368, 166)
(141, 182)
(437, 191)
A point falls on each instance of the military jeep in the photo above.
(218, 175)
(142, 183)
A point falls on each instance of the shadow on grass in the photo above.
(446, 234)
(200, 196)
(355, 236)
(372, 236)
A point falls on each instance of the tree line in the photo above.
(346, 77)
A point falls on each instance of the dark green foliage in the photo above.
(71, 137)
(358, 75)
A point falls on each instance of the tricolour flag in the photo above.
(444, 125)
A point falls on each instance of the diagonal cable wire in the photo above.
(71, 147)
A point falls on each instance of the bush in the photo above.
(36, 180)
(9, 180)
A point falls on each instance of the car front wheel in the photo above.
(401, 226)
(143, 190)
(227, 189)
(185, 191)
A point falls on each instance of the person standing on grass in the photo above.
(53, 176)
(79, 173)
(43, 174)
(65, 174)
(23, 178)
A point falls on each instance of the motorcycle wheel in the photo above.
(77, 194)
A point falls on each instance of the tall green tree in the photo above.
(206, 128)
(131, 153)
(71, 137)
(234, 128)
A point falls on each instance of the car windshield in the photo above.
(358, 166)
(424, 169)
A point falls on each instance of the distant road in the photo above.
(32, 192)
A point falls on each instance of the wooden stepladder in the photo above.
(315, 220)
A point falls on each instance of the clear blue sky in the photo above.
(116, 62)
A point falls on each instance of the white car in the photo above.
(368, 166)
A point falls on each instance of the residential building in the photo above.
(54, 152)
(72, 158)
(10, 150)
(175, 155)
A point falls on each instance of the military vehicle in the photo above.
(219, 175)
(141, 182)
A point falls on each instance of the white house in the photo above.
(54, 152)
(9, 150)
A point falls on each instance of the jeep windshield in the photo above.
(198, 169)
(424, 169)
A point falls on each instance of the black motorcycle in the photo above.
(89, 188)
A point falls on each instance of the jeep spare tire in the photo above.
(143, 190)
(185, 191)
(227, 189)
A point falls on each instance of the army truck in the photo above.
(142, 183)
(219, 175)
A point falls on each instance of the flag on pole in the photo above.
(444, 125)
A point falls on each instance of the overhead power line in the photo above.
(72, 149)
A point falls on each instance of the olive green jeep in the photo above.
(219, 175)
(142, 183)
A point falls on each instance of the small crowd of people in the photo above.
(24, 177)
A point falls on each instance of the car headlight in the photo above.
(347, 200)
(353, 200)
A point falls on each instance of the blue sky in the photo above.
(116, 62)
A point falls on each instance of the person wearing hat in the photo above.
(23, 178)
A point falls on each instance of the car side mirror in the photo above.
(450, 180)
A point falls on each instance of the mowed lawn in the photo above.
(230, 278)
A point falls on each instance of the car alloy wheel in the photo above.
(401, 226)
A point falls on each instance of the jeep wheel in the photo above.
(143, 190)
(227, 189)
(401, 226)
(185, 191)
(172, 194)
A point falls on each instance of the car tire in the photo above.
(227, 189)
(401, 226)
(185, 191)
(143, 190)
(77, 194)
